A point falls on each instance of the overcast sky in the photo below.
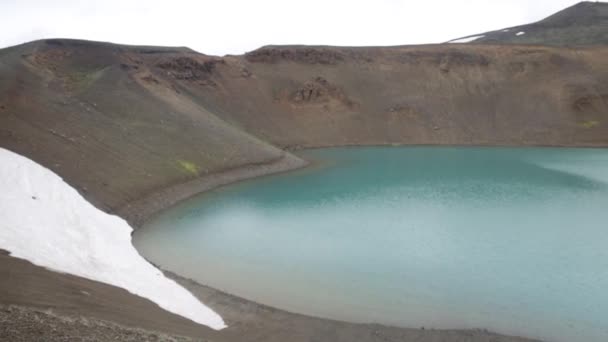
(221, 27)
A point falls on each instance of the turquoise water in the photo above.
(512, 240)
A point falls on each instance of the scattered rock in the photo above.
(150, 79)
(319, 90)
(32, 324)
(208, 83)
(308, 55)
(7, 133)
(517, 67)
(582, 103)
(313, 90)
(444, 66)
(175, 89)
(127, 67)
(587, 101)
(402, 109)
(245, 73)
(189, 68)
(445, 60)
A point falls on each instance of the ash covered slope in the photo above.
(96, 114)
(583, 24)
(439, 94)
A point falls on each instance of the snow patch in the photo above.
(49, 223)
(505, 30)
(520, 33)
(466, 39)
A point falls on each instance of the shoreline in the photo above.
(138, 212)
(479, 145)
(243, 315)
(251, 321)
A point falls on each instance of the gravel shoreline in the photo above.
(18, 323)
(137, 212)
(250, 321)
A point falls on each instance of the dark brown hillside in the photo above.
(482, 95)
(96, 114)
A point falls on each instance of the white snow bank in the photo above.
(45, 221)
(466, 39)
(520, 33)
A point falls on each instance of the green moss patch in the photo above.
(189, 167)
(590, 123)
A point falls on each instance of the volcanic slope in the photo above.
(122, 122)
(97, 115)
(583, 24)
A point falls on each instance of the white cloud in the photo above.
(222, 27)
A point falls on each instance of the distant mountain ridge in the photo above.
(583, 24)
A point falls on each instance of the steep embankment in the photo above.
(92, 113)
(583, 24)
(494, 95)
(121, 123)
